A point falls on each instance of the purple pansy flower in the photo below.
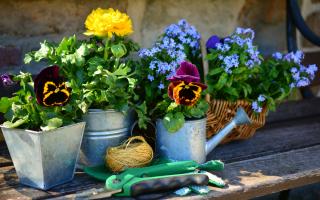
(50, 88)
(187, 72)
(212, 42)
(185, 86)
(6, 80)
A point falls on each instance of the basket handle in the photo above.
(205, 64)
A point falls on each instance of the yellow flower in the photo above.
(104, 22)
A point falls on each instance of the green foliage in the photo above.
(175, 114)
(230, 86)
(98, 70)
(173, 121)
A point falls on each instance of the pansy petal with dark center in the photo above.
(58, 98)
(50, 89)
(171, 86)
(49, 73)
(187, 94)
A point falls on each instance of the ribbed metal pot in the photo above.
(44, 159)
(105, 128)
(188, 143)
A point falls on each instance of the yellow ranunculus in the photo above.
(104, 22)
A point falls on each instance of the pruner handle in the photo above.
(118, 181)
(138, 186)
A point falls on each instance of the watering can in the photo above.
(189, 142)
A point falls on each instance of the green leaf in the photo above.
(212, 56)
(172, 106)
(5, 104)
(132, 82)
(222, 81)
(66, 44)
(84, 106)
(52, 124)
(122, 70)
(28, 58)
(199, 110)
(83, 50)
(215, 71)
(15, 124)
(231, 91)
(239, 70)
(94, 62)
(173, 121)
(141, 111)
(43, 52)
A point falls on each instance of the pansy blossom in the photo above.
(185, 87)
(50, 88)
(6, 80)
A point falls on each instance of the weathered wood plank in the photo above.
(273, 138)
(263, 175)
(273, 173)
(11, 189)
(268, 174)
(295, 109)
(5, 159)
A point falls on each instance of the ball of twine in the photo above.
(135, 152)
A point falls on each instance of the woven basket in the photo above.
(221, 112)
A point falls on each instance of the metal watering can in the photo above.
(189, 143)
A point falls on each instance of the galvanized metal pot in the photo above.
(105, 128)
(188, 143)
(44, 159)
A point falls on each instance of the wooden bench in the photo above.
(284, 154)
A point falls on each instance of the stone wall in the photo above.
(24, 23)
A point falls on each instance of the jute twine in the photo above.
(135, 152)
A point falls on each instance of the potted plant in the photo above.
(103, 77)
(181, 124)
(239, 76)
(178, 43)
(42, 131)
(170, 56)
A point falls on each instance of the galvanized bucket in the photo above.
(105, 128)
(44, 159)
(188, 143)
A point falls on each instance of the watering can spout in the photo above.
(240, 118)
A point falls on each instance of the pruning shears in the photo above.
(160, 178)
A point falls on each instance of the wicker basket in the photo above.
(221, 112)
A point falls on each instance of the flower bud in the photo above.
(118, 50)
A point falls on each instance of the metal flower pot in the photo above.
(47, 158)
(105, 128)
(188, 143)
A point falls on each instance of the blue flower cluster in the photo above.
(167, 54)
(185, 34)
(242, 39)
(231, 61)
(256, 105)
(302, 75)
